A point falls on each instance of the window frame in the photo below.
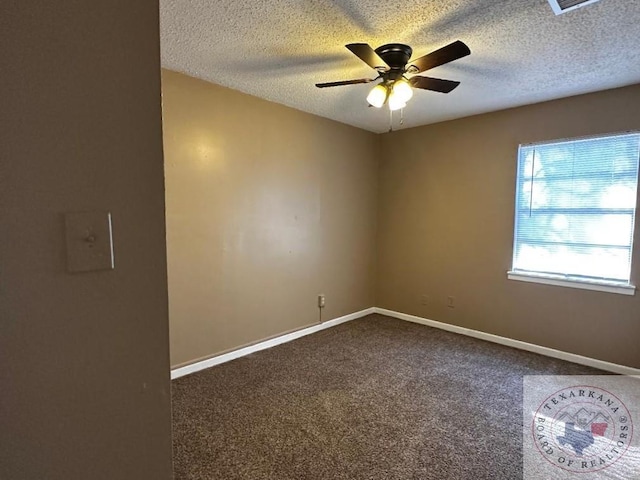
(619, 287)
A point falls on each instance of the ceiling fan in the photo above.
(392, 63)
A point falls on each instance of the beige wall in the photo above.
(85, 364)
(267, 207)
(446, 229)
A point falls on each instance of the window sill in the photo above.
(603, 286)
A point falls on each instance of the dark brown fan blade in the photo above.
(368, 55)
(435, 84)
(447, 54)
(344, 82)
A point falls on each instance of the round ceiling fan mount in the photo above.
(395, 55)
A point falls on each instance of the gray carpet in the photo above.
(375, 398)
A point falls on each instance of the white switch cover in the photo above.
(89, 241)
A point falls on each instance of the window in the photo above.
(574, 212)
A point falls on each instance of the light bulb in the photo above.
(396, 103)
(402, 90)
(377, 96)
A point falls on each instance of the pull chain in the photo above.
(391, 119)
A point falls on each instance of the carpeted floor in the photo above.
(375, 398)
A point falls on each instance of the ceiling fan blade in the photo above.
(368, 55)
(344, 82)
(447, 54)
(434, 84)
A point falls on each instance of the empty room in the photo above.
(320, 240)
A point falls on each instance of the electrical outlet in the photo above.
(451, 302)
(321, 301)
(424, 299)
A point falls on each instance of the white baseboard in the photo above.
(549, 352)
(529, 347)
(241, 352)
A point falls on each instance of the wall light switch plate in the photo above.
(89, 241)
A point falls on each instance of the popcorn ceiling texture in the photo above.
(521, 52)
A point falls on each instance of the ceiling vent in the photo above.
(562, 6)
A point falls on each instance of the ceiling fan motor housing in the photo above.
(396, 55)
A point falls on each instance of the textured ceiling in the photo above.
(521, 52)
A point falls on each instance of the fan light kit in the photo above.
(392, 63)
(397, 94)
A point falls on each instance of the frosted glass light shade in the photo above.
(402, 90)
(377, 96)
(396, 103)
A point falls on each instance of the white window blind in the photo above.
(575, 208)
